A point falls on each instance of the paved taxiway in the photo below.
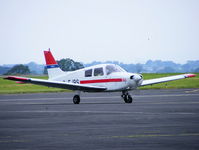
(157, 119)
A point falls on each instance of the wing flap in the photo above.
(166, 79)
(58, 84)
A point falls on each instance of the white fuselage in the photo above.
(113, 77)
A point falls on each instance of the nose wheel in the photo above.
(127, 97)
(76, 99)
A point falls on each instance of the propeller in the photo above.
(136, 79)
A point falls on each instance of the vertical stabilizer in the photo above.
(52, 66)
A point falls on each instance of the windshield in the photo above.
(113, 68)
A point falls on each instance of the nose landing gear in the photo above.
(127, 97)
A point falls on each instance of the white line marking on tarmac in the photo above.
(103, 97)
(155, 135)
(166, 102)
(168, 95)
(109, 102)
(61, 98)
(192, 91)
(65, 111)
(98, 112)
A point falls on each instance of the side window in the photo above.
(98, 72)
(88, 73)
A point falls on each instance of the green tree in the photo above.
(18, 69)
(69, 64)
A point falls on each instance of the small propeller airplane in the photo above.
(98, 78)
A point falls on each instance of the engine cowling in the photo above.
(135, 80)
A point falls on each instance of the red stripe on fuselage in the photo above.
(101, 81)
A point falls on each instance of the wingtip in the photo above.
(9, 77)
(190, 75)
(15, 78)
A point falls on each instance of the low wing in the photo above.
(58, 84)
(166, 79)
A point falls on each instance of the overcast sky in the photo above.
(129, 31)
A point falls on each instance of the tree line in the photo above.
(65, 64)
(156, 66)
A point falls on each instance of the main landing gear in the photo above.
(127, 98)
(76, 99)
(125, 95)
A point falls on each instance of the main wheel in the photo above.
(76, 99)
(127, 98)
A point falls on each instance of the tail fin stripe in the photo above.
(52, 66)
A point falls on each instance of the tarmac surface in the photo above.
(156, 120)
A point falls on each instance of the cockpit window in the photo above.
(98, 72)
(113, 68)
